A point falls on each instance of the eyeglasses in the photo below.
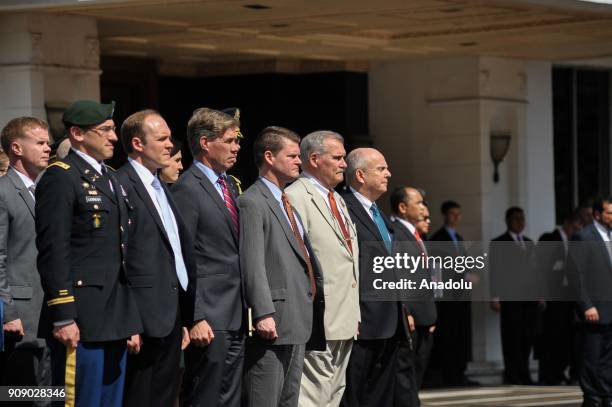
(103, 130)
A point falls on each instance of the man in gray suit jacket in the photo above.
(279, 273)
(25, 360)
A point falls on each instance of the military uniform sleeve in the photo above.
(55, 198)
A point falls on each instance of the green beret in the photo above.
(88, 113)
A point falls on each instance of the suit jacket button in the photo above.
(80, 283)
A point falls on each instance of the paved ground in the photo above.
(515, 396)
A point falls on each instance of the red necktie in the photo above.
(229, 203)
(298, 237)
(420, 242)
(336, 212)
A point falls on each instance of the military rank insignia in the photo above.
(96, 220)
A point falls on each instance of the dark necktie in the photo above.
(336, 212)
(298, 237)
(229, 203)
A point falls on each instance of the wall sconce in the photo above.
(500, 143)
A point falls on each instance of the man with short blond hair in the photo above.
(333, 237)
(25, 360)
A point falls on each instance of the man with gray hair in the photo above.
(206, 198)
(372, 365)
(334, 240)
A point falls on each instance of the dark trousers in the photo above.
(25, 367)
(371, 372)
(406, 392)
(452, 348)
(153, 374)
(422, 341)
(273, 374)
(596, 367)
(517, 321)
(558, 338)
(93, 374)
(213, 374)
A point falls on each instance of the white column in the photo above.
(432, 119)
(47, 62)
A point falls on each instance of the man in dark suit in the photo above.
(371, 371)
(158, 263)
(452, 347)
(408, 211)
(280, 273)
(514, 291)
(205, 197)
(82, 227)
(559, 334)
(591, 279)
(25, 360)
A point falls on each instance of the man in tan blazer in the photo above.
(334, 240)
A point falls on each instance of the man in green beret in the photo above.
(82, 220)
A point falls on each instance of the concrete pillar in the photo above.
(433, 120)
(47, 62)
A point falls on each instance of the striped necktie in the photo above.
(229, 203)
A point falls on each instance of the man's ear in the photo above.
(268, 156)
(401, 208)
(360, 176)
(204, 143)
(16, 148)
(137, 144)
(75, 133)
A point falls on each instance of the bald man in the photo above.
(372, 364)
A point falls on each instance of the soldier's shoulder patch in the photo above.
(238, 183)
(60, 164)
(110, 168)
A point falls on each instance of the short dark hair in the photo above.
(512, 210)
(398, 195)
(448, 205)
(271, 139)
(573, 216)
(177, 146)
(598, 203)
(133, 127)
(16, 128)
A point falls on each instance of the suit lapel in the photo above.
(144, 196)
(602, 244)
(280, 216)
(23, 191)
(322, 207)
(214, 195)
(358, 210)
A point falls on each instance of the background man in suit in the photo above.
(513, 282)
(559, 333)
(452, 347)
(371, 370)
(408, 211)
(205, 196)
(25, 360)
(82, 225)
(591, 279)
(333, 237)
(158, 262)
(279, 274)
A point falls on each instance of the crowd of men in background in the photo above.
(139, 287)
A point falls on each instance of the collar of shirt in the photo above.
(322, 190)
(212, 176)
(562, 233)
(452, 232)
(25, 179)
(365, 202)
(603, 231)
(89, 160)
(516, 238)
(145, 175)
(408, 225)
(276, 191)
